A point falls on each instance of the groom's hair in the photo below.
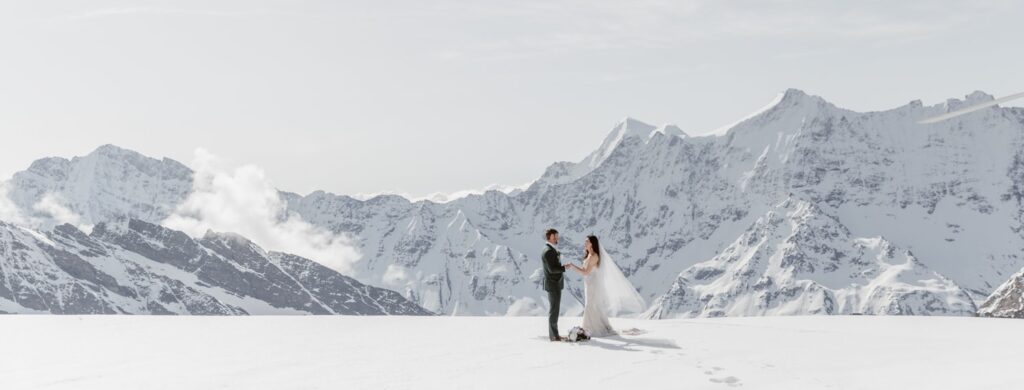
(550, 233)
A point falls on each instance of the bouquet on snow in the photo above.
(578, 334)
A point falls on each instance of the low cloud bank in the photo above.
(243, 201)
(53, 205)
(9, 212)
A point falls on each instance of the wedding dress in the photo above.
(608, 293)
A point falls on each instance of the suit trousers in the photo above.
(555, 297)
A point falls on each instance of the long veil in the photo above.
(617, 292)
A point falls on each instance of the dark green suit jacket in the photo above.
(553, 269)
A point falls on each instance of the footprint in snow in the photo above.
(729, 380)
(632, 332)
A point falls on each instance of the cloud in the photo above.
(53, 205)
(9, 212)
(244, 201)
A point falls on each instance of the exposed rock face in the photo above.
(139, 268)
(798, 260)
(927, 214)
(848, 212)
(1007, 301)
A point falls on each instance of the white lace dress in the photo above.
(595, 320)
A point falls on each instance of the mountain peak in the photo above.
(53, 165)
(114, 152)
(111, 149)
(628, 127)
(632, 127)
(978, 97)
(970, 99)
(793, 96)
(141, 161)
(670, 129)
(790, 99)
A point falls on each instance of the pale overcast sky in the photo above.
(427, 96)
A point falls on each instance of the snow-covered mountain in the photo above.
(798, 260)
(135, 267)
(1007, 301)
(109, 184)
(803, 207)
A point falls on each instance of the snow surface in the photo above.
(332, 352)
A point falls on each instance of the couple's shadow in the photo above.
(631, 344)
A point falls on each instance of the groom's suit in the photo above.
(553, 284)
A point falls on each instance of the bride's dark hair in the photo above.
(595, 247)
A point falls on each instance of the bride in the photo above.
(608, 292)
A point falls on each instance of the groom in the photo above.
(553, 283)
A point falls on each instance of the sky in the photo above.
(418, 97)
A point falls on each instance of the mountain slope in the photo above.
(140, 268)
(1007, 301)
(662, 203)
(946, 198)
(798, 260)
(429, 252)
